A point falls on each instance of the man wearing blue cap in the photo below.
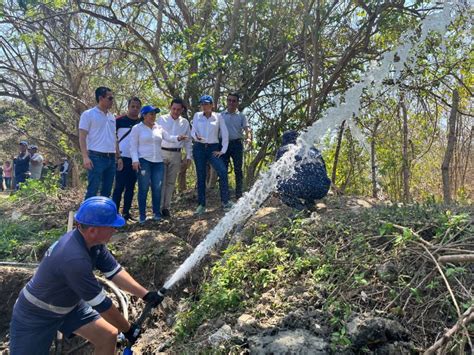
(21, 164)
(98, 142)
(207, 127)
(65, 295)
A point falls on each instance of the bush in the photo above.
(24, 240)
(37, 190)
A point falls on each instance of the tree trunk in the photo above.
(450, 148)
(336, 154)
(372, 159)
(405, 162)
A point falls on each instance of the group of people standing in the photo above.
(28, 164)
(138, 147)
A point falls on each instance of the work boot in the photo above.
(200, 210)
(157, 217)
(227, 206)
(142, 220)
(165, 213)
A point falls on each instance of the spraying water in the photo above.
(284, 168)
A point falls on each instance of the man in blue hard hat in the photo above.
(65, 295)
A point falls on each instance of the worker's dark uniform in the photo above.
(63, 294)
(309, 182)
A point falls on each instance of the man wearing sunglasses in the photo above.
(98, 142)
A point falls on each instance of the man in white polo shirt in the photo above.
(175, 125)
(98, 142)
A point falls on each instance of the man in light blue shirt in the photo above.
(237, 126)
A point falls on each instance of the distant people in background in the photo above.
(126, 178)
(7, 174)
(36, 162)
(309, 182)
(2, 187)
(207, 127)
(239, 129)
(63, 172)
(98, 142)
(21, 165)
(145, 149)
(175, 125)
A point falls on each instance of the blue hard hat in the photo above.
(99, 211)
(206, 99)
(147, 109)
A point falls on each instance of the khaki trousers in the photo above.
(172, 161)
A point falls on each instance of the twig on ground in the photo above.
(464, 320)
(461, 258)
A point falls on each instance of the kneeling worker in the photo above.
(64, 294)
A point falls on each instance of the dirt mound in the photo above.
(12, 281)
(150, 255)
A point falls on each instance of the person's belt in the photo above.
(101, 154)
(171, 149)
(46, 306)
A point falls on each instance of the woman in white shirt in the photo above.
(207, 126)
(145, 150)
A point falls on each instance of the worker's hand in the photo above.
(133, 333)
(153, 298)
(182, 137)
(119, 164)
(87, 163)
(217, 153)
(136, 166)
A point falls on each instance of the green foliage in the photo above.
(25, 240)
(339, 255)
(37, 190)
(257, 266)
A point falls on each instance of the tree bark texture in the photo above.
(336, 154)
(405, 160)
(448, 155)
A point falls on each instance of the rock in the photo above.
(298, 341)
(321, 207)
(247, 324)
(375, 332)
(221, 336)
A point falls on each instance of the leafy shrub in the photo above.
(24, 240)
(37, 190)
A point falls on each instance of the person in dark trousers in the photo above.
(1, 178)
(64, 294)
(309, 182)
(126, 178)
(98, 142)
(21, 165)
(63, 172)
(239, 134)
(207, 127)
